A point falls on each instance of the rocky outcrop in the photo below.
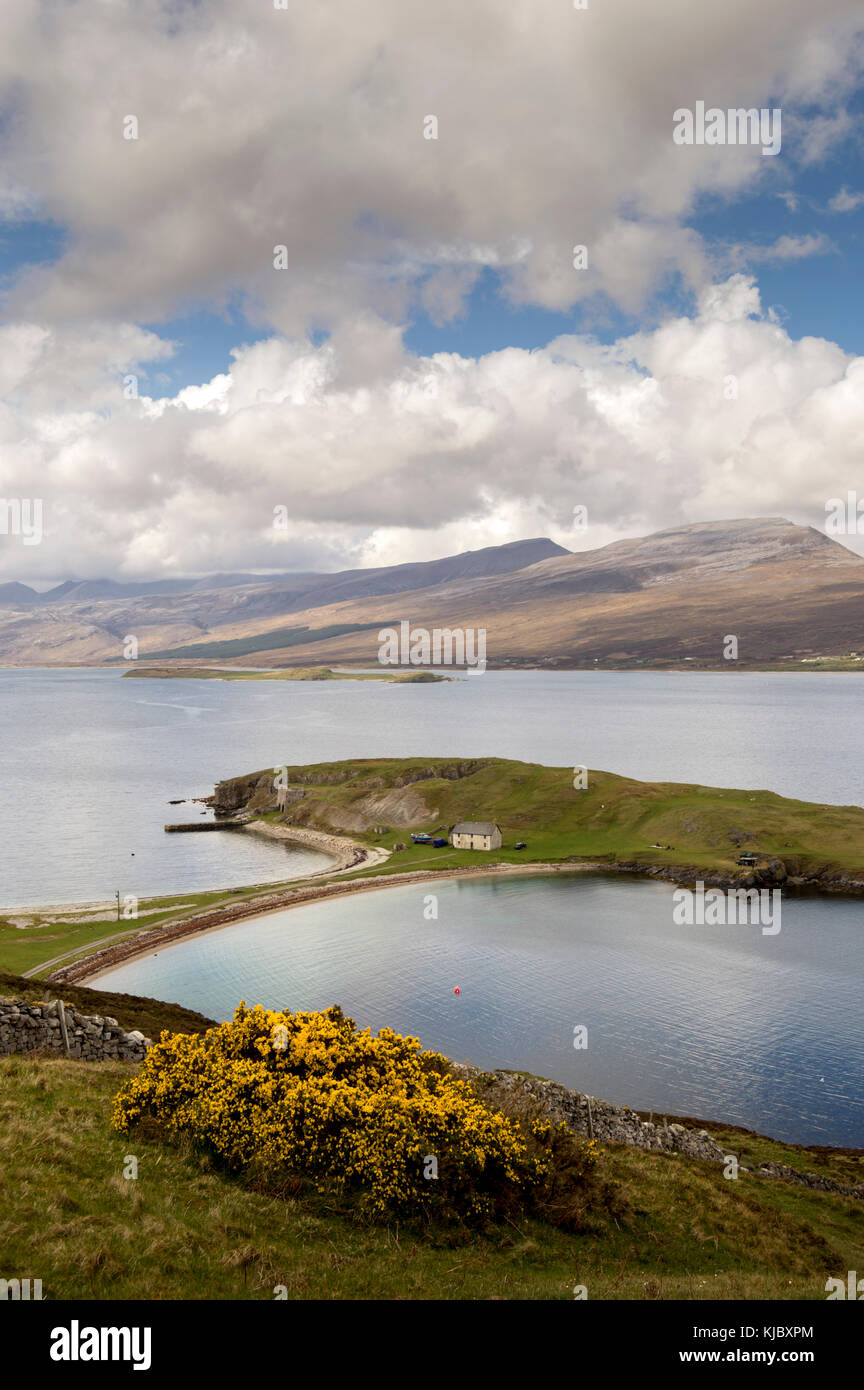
(614, 1124)
(593, 1118)
(771, 874)
(254, 792)
(784, 1173)
(57, 1027)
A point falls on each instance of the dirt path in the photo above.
(55, 960)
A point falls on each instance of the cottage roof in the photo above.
(474, 827)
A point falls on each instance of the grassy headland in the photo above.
(184, 1230)
(612, 820)
(678, 832)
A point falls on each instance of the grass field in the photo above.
(613, 819)
(182, 1230)
(47, 935)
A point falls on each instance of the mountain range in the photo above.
(787, 592)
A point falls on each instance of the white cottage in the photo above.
(475, 834)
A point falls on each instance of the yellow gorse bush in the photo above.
(307, 1094)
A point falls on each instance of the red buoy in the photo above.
(457, 990)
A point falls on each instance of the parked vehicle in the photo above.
(520, 844)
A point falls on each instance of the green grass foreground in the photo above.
(182, 1230)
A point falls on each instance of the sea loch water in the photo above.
(759, 1030)
(90, 760)
(715, 1022)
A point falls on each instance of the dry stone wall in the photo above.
(617, 1124)
(57, 1027)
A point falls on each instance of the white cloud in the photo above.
(844, 201)
(434, 454)
(785, 248)
(304, 127)
(47, 367)
(821, 134)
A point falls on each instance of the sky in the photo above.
(316, 287)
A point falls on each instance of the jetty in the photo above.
(205, 825)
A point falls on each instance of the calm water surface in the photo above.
(718, 1022)
(90, 760)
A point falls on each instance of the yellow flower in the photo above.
(308, 1094)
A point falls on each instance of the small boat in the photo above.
(422, 838)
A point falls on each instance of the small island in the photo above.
(296, 673)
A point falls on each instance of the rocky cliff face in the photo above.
(254, 792)
(395, 800)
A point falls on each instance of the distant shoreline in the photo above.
(817, 666)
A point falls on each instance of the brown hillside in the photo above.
(785, 591)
